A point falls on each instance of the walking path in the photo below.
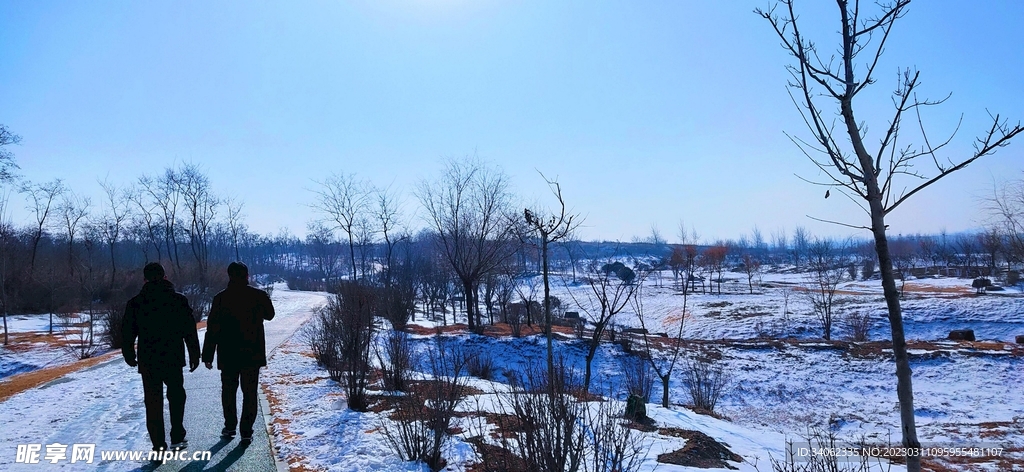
(102, 405)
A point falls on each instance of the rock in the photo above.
(636, 409)
(961, 335)
(1020, 339)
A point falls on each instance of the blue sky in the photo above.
(648, 113)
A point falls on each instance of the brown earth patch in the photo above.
(19, 383)
(700, 451)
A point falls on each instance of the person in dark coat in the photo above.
(234, 331)
(162, 321)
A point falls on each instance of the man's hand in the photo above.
(193, 364)
(131, 362)
(209, 365)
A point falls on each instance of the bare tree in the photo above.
(111, 223)
(41, 200)
(551, 229)
(236, 224)
(144, 221)
(72, 209)
(343, 199)
(991, 243)
(389, 217)
(1006, 206)
(866, 178)
(752, 267)
(6, 237)
(323, 249)
(201, 206)
(7, 165)
(163, 193)
(663, 363)
(827, 269)
(968, 248)
(470, 208)
(607, 295)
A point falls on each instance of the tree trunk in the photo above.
(664, 389)
(467, 289)
(591, 352)
(904, 387)
(547, 306)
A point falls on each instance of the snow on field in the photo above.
(777, 389)
(31, 347)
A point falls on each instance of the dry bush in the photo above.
(859, 325)
(112, 320)
(418, 429)
(612, 446)
(340, 339)
(545, 426)
(705, 379)
(396, 357)
(77, 330)
(637, 377)
(481, 365)
(819, 439)
(544, 420)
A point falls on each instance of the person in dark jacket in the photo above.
(162, 321)
(234, 331)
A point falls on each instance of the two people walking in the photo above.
(161, 319)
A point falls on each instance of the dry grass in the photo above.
(19, 383)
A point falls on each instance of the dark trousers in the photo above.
(229, 381)
(153, 381)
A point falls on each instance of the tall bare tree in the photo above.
(41, 201)
(388, 213)
(72, 209)
(236, 222)
(164, 194)
(201, 207)
(112, 222)
(342, 199)
(877, 182)
(470, 208)
(552, 228)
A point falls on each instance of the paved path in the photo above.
(203, 417)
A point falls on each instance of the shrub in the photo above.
(112, 320)
(395, 354)
(341, 337)
(637, 376)
(481, 365)
(818, 439)
(705, 380)
(867, 268)
(419, 427)
(544, 419)
(859, 325)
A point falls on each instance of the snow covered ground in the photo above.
(965, 394)
(31, 347)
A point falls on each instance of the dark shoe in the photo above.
(245, 441)
(179, 445)
(227, 433)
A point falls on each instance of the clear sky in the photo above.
(648, 113)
